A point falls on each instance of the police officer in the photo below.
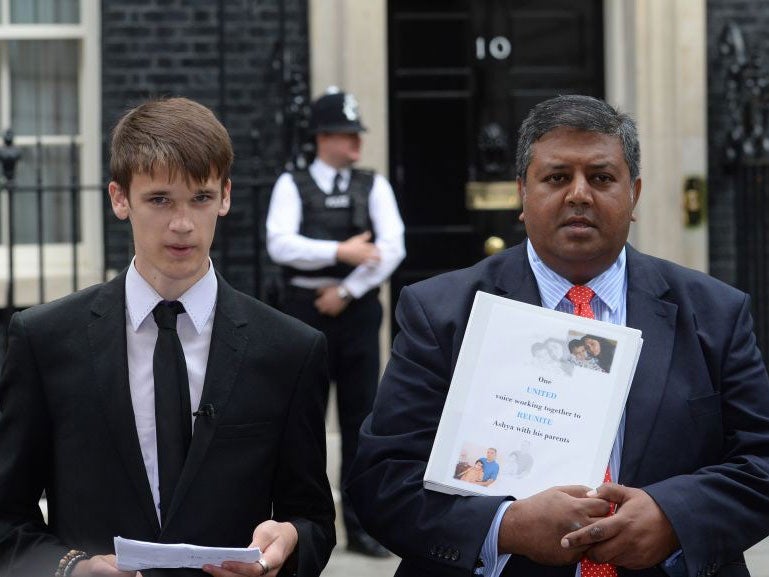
(338, 234)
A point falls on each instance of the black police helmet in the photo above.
(335, 112)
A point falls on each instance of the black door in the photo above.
(462, 76)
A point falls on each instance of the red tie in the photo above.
(580, 296)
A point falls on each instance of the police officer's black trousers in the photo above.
(353, 353)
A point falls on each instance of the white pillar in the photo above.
(656, 70)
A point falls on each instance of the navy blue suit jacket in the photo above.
(697, 430)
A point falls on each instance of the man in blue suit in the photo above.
(691, 457)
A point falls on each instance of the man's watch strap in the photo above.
(343, 293)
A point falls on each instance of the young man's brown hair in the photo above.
(177, 134)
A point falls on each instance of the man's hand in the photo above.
(534, 526)
(101, 566)
(276, 540)
(637, 536)
(329, 302)
(358, 250)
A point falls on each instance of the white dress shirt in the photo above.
(194, 328)
(287, 247)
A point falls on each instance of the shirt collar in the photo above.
(199, 300)
(608, 286)
(324, 175)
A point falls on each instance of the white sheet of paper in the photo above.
(551, 420)
(137, 555)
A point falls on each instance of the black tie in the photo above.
(173, 415)
(337, 183)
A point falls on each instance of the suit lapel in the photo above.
(107, 341)
(515, 279)
(228, 344)
(656, 318)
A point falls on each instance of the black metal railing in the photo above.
(51, 215)
(752, 215)
(746, 166)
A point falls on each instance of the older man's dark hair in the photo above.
(583, 113)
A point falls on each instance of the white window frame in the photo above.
(57, 257)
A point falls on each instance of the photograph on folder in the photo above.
(534, 402)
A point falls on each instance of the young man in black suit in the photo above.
(206, 428)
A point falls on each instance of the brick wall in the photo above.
(223, 54)
(752, 17)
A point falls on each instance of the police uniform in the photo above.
(311, 212)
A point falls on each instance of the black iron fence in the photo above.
(36, 213)
(752, 233)
(746, 164)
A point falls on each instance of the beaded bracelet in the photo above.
(68, 562)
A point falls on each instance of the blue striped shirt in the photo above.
(609, 305)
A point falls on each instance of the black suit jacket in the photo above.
(697, 420)
(67, 426)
